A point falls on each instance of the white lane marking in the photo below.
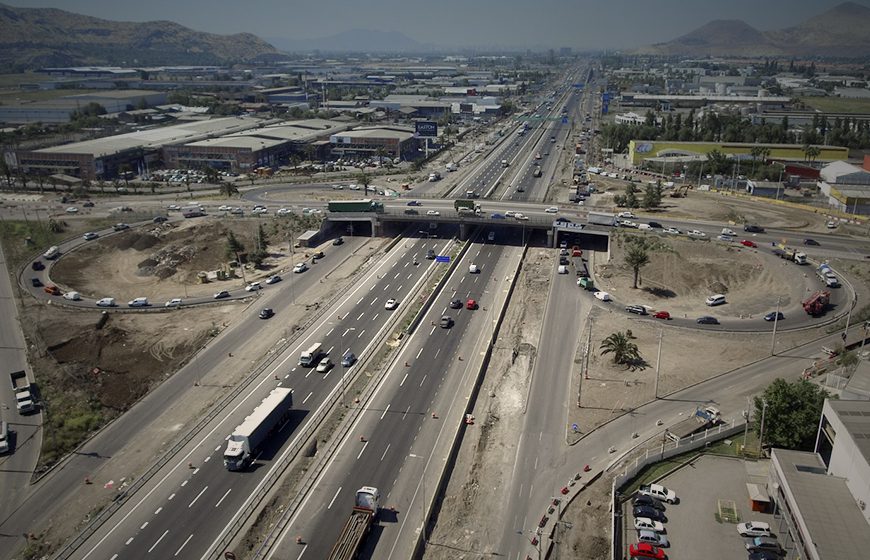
(375, 318)
(432, 331)
(361, 451)
(331, 348)
(309, 373)
(361, 314)
(114, 556)
(196, 470)
(201, 492)
(129, 541)
(143, 525)
(406, 412)
(418, 354)
(171, 496)
(158, 510)
(304, 548)
(329, 333)
(360, 300)
(183, 484)
(218, 448)
(403, 380)
(345, 332)
(361, 333)
(222, 497)
(332, 501)
(385, 452)
(437, 351)
(534, 468)
(153, 546)
(385, 412)
(400, 288)
(187, 540)
(207, 459)
(422, 380)
(396, 276)
(308, 397)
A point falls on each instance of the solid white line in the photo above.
(153, 546)
(385, 412)
(332, 501)
(222, 497)
(385, 452)
(308, 397)
(187, 540)
(366, 444)
(190, 505)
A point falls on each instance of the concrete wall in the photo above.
(848, 462)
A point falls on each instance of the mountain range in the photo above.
(48, 37)
(842, 31)
(355, 40)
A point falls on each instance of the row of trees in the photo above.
(650, 198)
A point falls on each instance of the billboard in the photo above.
(426, 129)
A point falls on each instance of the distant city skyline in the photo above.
(508, 24)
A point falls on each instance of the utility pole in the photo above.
(775, 321)
(761, 432)
(658, 364)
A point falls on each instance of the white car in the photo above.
(653, 538)
(551, 210)
(673, 231)
(282, 211)
(253, 287)
(237, 211)
(324, 365)
(628, 224)
(174, 302)
(72, 296)
(831, 225)
(224, 208)
(391, 304)
(696, 233)
(521, 217)
(626, 215)
(138, 302)
(753, 529)
(274, 279)
(510, 213)
(354, 187)
(300, 267)
(433, 213)
(648, 524)
(658, 491)
(260, 211)
(72, 210)
(603, 296)
(337, 187)
(89, 236)
(174, 207)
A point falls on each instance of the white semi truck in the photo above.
(358, 524)
(267, 418)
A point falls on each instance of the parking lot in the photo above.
(705, 485)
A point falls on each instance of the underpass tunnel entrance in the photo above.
(350, 228)
(588, 241)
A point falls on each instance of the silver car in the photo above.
(653, 538)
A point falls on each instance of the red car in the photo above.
(748, 243)
(51, 289)
(646, 550)
(471, 304)
(662, 315)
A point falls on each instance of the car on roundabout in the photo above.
(774, 316)
(707, 320)
(391, 304)
(603, 296)
(300, 268)
(662, 315)
(221, 294)
(749, 243)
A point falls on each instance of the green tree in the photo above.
(619, 344)
(228, 189)
(636, 257)
(234, 246)
(652, 196)
(792, 416)
(363, 179)
(6, 172)
(631, 196)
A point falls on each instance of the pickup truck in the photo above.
(658, 491)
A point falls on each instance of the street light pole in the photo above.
(775, 321)
(658, 364)
(761, 432)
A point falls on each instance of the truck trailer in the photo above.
(361, 205)
(358, 524)
(601, 219)
(23, 392)
(246, 439)
(701, 419)
(826, 274)
(309, 357)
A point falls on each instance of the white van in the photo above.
(729, 232)
(72, 296)
(52, 252)
(309, 357)
(715, 299)
(106, 302)
(138, 302)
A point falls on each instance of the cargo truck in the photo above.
(23, 392)
(361, 205)
(601, 219)
(791, 255)
(701, 419)
(462, 204)
(358, 524)
(309, 357)
(266, 420)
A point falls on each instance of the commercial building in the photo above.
(102, 158)
(60, 110)
(391, 141)
(642, 150)
(847, 187)
(822, 496)
(264, 146)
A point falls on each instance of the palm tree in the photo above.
(363, 179)
(620, 345)
(636, 257)
(228, 189)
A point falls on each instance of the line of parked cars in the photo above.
(648, 509)
(761, 543)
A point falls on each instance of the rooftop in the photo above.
(855, 415)
(827, 507)
(402, 134)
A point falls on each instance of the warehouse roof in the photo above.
(401, 134)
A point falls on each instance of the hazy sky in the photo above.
(525, 23)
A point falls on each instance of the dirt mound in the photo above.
(134, 240)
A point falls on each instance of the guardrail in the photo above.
(106, 513)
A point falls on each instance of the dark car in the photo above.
(654, 225)
(414, 203)
(765, 543)
(456, 303)
(36, 282)
(88, 204)
(764, 555)
(753, 228)
(430, 254)
(159, 219)
(497, 216)
(222, 294)
(811, 242)
(774, 315)
(411, 211)
(266, 313)
(651, 513)
(707, 320)
(637, 309)
(563, 260)
(648, 501)
(337, 241)
(37, 265)
(318, 255)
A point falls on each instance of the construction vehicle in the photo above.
(23, 392)
(267, 418)
(703, 418)
(361, 205)
(358, 524)
(815, 305)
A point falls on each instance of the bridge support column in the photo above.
(551, 238)
(377, 228)
(463, 232)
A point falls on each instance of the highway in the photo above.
(183, 509)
